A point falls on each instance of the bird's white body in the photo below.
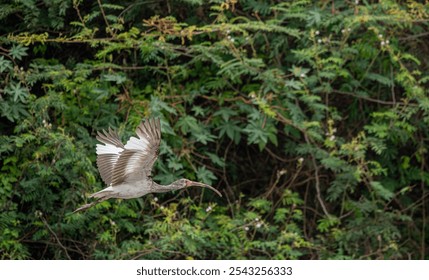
(126, 190)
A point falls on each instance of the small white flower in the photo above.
(317, 32)
(383, 43)
(343, 31)
(258, 225)
(229, 37)
(302, 75)
(357, 2)
(155, 199)
(247, 38)
(332, 138)
(208, 209)
(301, 160)
(232, 40)
(256, 219)
(319, 41)
(46, 124)
(246, 228)
(161, 207)
(380, 36)
(387, 42)
(228, 31)
(349, 29)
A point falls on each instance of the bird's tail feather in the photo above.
(101, 196)
(103, 193)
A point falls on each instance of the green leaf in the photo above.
(380, 78)
(216, 159)
(13, 111)
(174, 163)
(18, 51)
(256, 135)
(18, 92)
(314, 18)
(158, 105)
(326, 223)
(280, 215)
(263, 205)
(299, 72)
(118, 78)
(206, 176)
(231, 129)
(380, 190)
(334, 163)
(203, 136)
(5, 64)
(225, 112)
(293, 84)
(199, 111)
(188, 124)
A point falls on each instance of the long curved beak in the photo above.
(198, 184)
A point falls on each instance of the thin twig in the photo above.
(316, 174)
(279, 174)
(372, 99)
(55, 236)
(423, 237)
(413, 37)
(109, 30)
(76, 7)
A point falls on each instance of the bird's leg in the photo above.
(89, 205)
(84, 207)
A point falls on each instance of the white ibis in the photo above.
(127, 169)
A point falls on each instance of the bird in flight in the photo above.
(126, 169)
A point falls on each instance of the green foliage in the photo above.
(311, 117)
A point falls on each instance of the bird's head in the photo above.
(184, 183)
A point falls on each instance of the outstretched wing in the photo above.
(136, 160)
(108, 154)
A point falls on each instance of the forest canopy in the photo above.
(311, 118)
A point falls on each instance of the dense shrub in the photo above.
(310, 116)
